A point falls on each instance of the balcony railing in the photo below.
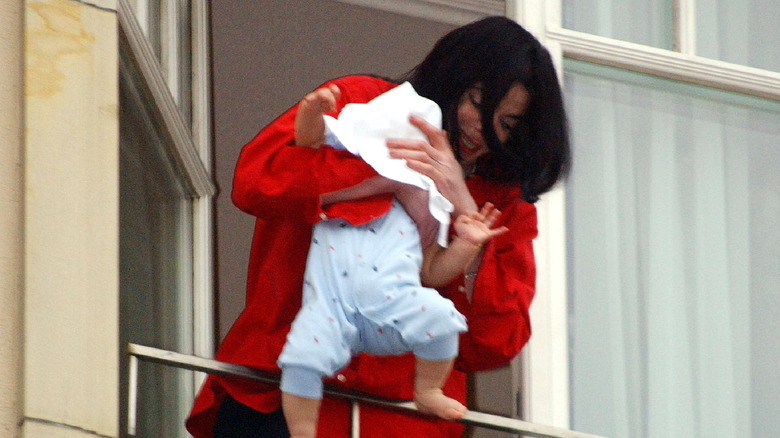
(210, 366)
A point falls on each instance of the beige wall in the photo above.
(71, 220)
(11, 189)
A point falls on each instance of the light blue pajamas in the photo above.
(362, 292)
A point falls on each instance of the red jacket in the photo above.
(280, 184)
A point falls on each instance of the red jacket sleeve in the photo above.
(275, 179)
(498, 320)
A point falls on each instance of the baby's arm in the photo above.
(441, 265)
(309, 123)
(415, 203)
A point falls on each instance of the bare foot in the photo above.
(434, 402)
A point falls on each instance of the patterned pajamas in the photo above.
(362, 293)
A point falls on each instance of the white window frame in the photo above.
(545, 374)
(191, 146)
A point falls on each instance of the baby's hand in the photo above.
(476, 227)
(321, 101)
(309, 125)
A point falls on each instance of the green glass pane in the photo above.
(673, 246)
(743, 32)
(649, 22)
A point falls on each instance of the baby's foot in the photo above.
(434, 402)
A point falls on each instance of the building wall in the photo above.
(11, 189)
(71, 197)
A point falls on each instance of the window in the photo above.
(671, 210)
(166, 189)
(660, 323)
(743, 33)
(156, 264)
(167, 28)
(650, 23)
(657, 259)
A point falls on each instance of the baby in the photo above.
(363, 293)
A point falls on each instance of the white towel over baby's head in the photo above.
(364, 128)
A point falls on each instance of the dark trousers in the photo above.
(235, 420)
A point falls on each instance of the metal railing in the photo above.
(210, 366)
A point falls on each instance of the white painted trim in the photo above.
(171, 123)
(170, 36)
(455, 12)
(685, 26)
(201, 81)
(185, 383)
(553, 15)
(132, 394)
(141, 11)
(667, 64)
(545, 359)
(553, 18)
(203, 292)
(530, 14)
(203, 281)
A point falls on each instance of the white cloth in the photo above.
(363, 128)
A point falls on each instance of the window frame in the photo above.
(159, 80)
(544, 373)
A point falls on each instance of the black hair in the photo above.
(497, 53)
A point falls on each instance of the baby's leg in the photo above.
(429, 378)
(301, 415)
(433, 363)
(301, 395)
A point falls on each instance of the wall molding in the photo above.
(457, 12)
(667, 64)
